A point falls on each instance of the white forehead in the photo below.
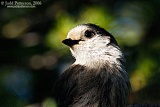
(76, 32)
(77, 29)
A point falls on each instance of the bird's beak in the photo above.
(69, 42)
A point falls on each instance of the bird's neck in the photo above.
(110, 57)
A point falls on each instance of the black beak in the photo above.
(70, 42)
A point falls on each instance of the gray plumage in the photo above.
(97, 78)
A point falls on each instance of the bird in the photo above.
(98, 77)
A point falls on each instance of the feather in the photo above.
(80, 86)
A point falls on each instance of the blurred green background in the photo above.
(32, 55)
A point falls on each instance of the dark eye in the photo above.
(89, 34)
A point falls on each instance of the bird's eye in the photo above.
(89, 34)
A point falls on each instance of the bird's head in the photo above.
(93, 46)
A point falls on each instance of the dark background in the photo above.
(32, 54)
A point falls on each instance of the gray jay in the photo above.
(97, 78)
